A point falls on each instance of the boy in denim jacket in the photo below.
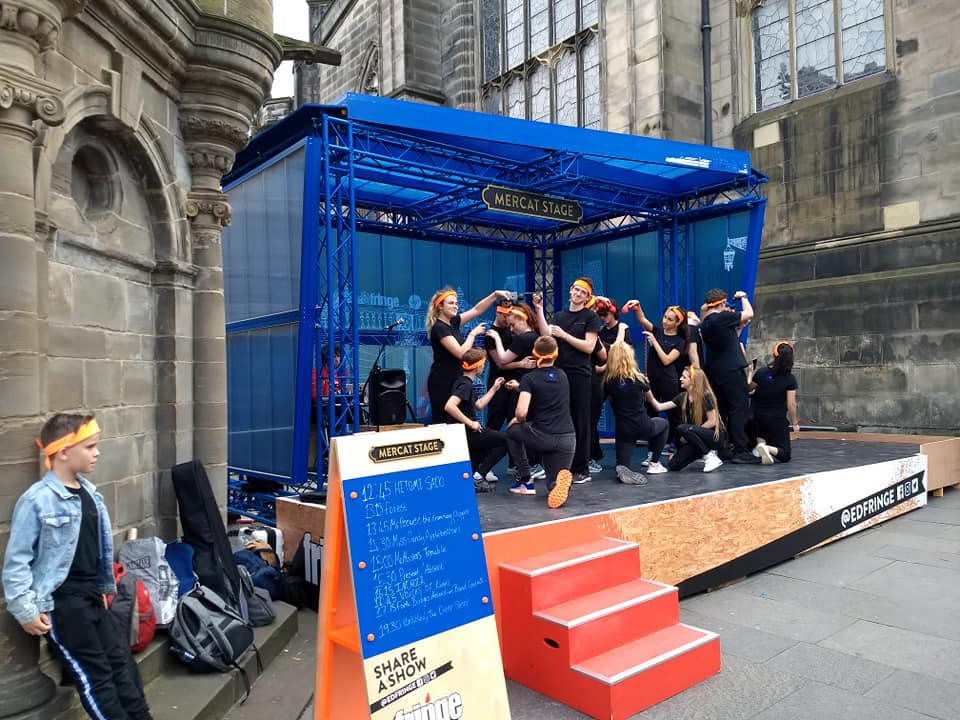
(58, 570)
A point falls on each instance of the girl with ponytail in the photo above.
(627, 387)
(775, 400)
(701, 430)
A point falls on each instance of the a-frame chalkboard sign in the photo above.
(406, 626)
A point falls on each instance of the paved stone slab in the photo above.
(741, 690)
(903, 649)
(768, 615)
(952, 534)
(951, 498)
(906, 582)
(919, 615)
(834, 564)
(935, 514)
(744, 642)
(924, 528)
(895, 537)
(945, 560)
(823, 702)
(831, 667)
(526, 704)
(922, 693)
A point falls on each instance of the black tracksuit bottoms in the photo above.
(87, 639)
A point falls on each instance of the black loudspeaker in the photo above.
(388, 397)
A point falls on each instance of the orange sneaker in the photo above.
(558, 496)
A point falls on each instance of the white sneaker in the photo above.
(711, 462)
(763, 452)
(756, 451)
(538, 473)
(594, 466)
(656, 468)
(491, 477)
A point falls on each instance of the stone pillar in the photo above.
(229, 75)
(27, 28)
(209, 213)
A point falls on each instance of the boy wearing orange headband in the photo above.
(576, 330)
(58, 569)
(487, 447)
(725, 363)
(544, 399)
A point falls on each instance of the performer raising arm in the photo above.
(576, 330)
(443, 322)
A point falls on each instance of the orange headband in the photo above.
(444, 296)
(716, 303)
(778, 343)
(693, 371)
(478, 364)
(85, 431)
(678, 312)
(517, 312)
(549, 356)
(583, 285)
(503, 309)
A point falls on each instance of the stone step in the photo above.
(175, 693)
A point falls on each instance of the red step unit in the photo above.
(580, 626)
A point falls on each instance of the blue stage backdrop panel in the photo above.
(717, 253)
(261, 246)
(260, 383)
(261, 253)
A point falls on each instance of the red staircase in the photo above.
(581, 626)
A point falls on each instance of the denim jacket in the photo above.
(43, 539)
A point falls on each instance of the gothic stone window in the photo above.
(798, 46)
(541, 60)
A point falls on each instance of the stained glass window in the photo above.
(541, 60)
(795, 45)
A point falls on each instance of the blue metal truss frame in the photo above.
(430, 188)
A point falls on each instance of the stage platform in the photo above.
(502, 510)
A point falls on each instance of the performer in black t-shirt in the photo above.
(487, 447)
(613, 331)
(542, 423)
(443, 323)
(725, 363)
(702, 429)
(627, 388)
(667, 356)
(576, 330)
(500, 409)
(774, 400)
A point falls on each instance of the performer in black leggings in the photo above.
(576, 330)
(774, 400)
(613, 331)
(487, 447)
(627, 388)
(443, 322)
(667, 355)
(702, 429)
(725, 363)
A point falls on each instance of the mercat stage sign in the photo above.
(531, 204)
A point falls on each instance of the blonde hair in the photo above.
(622, 364)
(433, 310)
(694, 399)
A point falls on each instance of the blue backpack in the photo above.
(263, 574)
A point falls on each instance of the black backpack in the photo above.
(208, 635)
